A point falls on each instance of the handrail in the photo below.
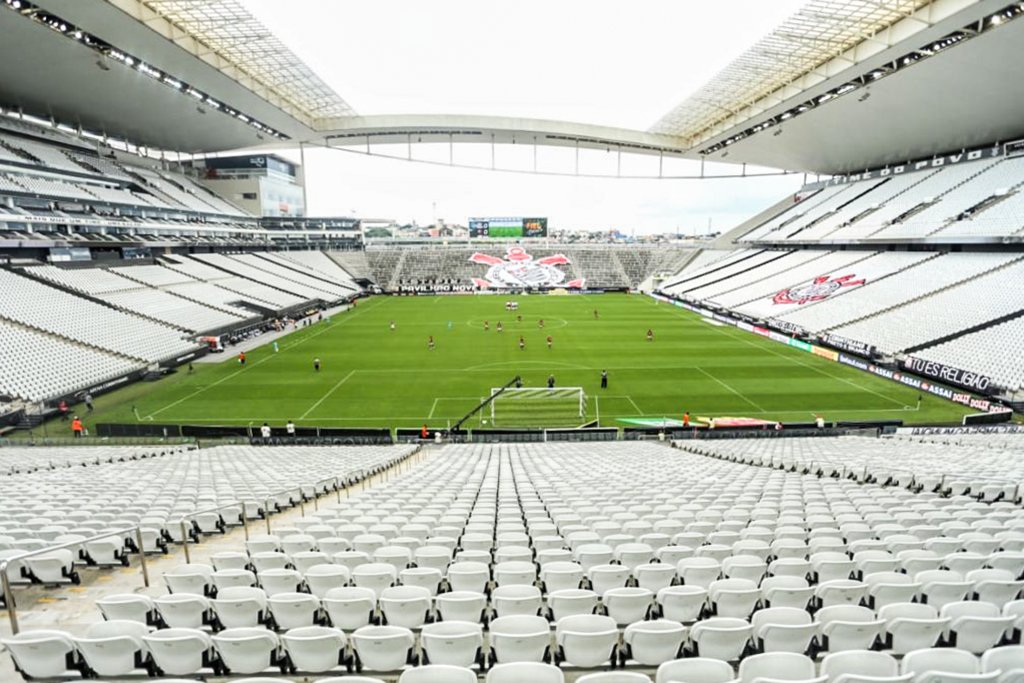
(186, 517)
(337, 489)
(5, 565)
(266, 502)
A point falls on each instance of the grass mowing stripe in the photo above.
(324, 397)
(741, 336)
(284, 347)
(635, 406)
(393, 380)
(705, 372)
(822, 372)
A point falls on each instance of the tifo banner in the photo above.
(519, 269)
(818, 289)
(947, 373)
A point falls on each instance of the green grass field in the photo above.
(375, 377)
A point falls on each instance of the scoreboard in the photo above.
(508, 227)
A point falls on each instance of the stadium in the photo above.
(241, 441)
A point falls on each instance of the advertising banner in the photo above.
(947, 373)
(953, 431)
(850, 345)
(977, 403)
(825, 353)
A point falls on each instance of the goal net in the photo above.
(538, 407)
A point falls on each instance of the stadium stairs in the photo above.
(826, 215)
(746, 270)
(620, 268)
(964, 332)
(397, 272)
(899, 272)
(27, 273)
(674, 266)
(905, 216)
(126, 273)
(931, 293)
(727, 240)
(790, 283)
(283, 263)
(354, 263)
(770, 276)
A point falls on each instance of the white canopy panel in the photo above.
(818, 32)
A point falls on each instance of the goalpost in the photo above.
(538, 407)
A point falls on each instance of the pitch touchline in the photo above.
(486, 366)
(828, 374)
(329, 392)
(708, 374)
(740, 337)
(392, 418)
(259, 362)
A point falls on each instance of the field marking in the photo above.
(485, 366)
(284, 347)
(597, 408)
(237, 421)
(329, 392)
(204, 388)
(635, 406)
(708, 374)
(822, 372)
(741, 337)
(432, 409)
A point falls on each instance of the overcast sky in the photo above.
(600, 62)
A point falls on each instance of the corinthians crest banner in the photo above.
(520, 270)
(821, 287)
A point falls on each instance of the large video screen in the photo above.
(508, 227)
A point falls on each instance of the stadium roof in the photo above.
(816, 33)
(201, 76)
(235, 36)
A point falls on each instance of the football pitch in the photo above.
(372, 376)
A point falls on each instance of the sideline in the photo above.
(326, 327)
(263, 339)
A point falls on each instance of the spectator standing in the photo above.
(290, 428)
(88, 401)
(265, 432)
